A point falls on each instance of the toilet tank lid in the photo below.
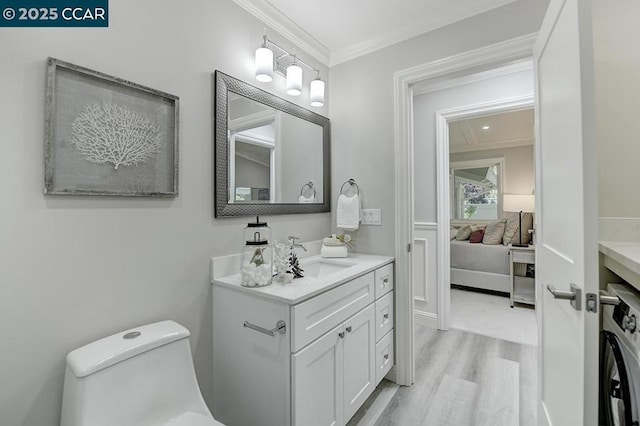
(111, 350)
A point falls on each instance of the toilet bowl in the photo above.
(139, 377)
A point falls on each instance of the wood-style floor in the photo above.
(461, 379)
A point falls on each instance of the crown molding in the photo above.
(273, 18)
(369, 46)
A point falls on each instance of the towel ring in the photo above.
(310, 186)
(351, 182)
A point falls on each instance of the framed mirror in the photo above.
(271, 156)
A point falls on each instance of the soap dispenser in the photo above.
(257, 255)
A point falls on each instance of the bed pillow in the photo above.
(511, 235)
(476, 236)
(453, 232)
(527, 223)
(494, 232)
(464, 233)
(510, 229)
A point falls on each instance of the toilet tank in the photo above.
(142, 376)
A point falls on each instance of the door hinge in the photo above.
(409, 248)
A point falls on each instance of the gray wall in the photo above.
(618, 101)
(251, 174)
(362, 105)
(75, 269)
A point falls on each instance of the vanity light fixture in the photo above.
(294, 78)
(316, 92)
(288, 65)
(264, 62)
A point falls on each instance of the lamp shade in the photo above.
(294, 80)
(264, 64)
(518, 203)
(316, 93)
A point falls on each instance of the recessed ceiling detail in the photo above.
(335, 31)
(505, 130)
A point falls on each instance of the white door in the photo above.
(359, 359)
(317, 381)
(566, 207)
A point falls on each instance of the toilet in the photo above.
(143, 376)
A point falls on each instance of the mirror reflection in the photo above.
(274, 157)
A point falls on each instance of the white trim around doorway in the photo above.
(483, 59)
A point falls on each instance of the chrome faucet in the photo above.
(293, 244)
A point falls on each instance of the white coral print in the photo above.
(113, 134)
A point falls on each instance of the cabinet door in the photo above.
(359, 359)
(317, 377)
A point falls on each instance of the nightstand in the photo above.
(522, 262)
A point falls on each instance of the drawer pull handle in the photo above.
(386, 357)
(281, 327)
(385, 316)
(349, 329)
(386, 280)
(341, 334)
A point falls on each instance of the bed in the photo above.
(480, 266)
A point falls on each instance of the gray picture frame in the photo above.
(106, 136)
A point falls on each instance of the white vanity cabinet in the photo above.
(336, 347)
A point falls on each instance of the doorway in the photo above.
(499, 59)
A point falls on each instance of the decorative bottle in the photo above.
(257, 255)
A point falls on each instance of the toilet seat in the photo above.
(193, 419)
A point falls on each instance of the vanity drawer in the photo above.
(313, 318)
(384, 356)
(384, 280)
(384, 315)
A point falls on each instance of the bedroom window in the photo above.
(476, 189)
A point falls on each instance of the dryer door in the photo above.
(615, 395)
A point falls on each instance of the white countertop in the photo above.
(625, 253)
(301, 289)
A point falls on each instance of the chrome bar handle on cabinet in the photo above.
(281, 327)
(574, 295)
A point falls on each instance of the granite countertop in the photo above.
(625, 253)
(304, 288)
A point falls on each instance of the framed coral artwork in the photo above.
(108, 136)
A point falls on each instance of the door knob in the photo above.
(341, 334)
(349, 329)
(574, 295)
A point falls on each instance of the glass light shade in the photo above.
(316, 93)
(264, 64)
(294, 80)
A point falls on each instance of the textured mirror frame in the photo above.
(222, 208)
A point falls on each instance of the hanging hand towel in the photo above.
(348, 212)
(306, 200)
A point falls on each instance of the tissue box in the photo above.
(334, 251)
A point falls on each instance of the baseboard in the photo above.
(425, 318)
(392, 374)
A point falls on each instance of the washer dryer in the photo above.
(620, 359)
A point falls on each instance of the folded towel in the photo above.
(334, 251)
(306, 200)
(348, 212)
(332, 241)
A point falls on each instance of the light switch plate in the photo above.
(371, 217)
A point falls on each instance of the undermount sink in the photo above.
(322, 267)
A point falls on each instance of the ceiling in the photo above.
(505, 130)
(335, 31)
